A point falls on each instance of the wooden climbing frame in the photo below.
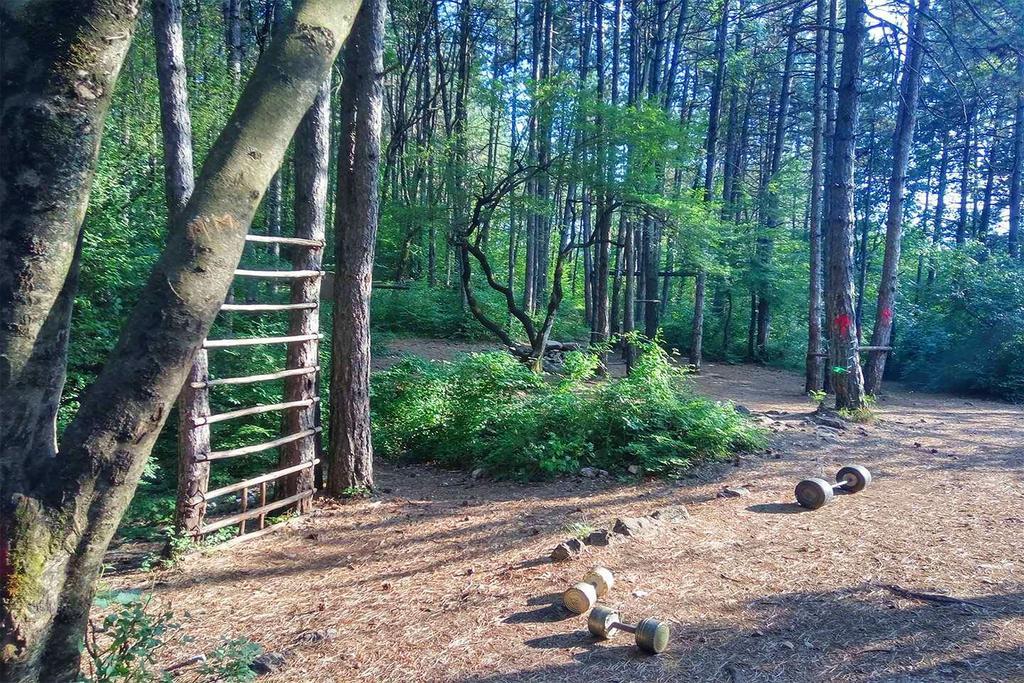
(291, 486)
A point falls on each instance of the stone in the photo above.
(673, 513)
(268, 663)
(477, 473)
(599, 537)
(742, 409)
(734, 492)
(588, 472)
(567, 550)
(829, 420)
(632, 526)
(319, 635)
(633, 469)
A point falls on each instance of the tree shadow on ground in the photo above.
(865, 634)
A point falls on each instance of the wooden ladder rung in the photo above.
(255, 410)
(256, 448)
(257, 308)
(255, 341)
(295, 241)
(254, 512)
(251, 379)
(280, 274)
(255, 481)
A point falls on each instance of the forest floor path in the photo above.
(443, 578)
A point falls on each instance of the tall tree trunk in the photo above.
(59, 513)
(985, 220)
(831, 51)
(1013, 237)
(862, 253)
(312, 157)
(765, 243)
(175, 120)
(710, 161)
(940, 201)
(697, 333)
(233, 40)
(966, 162)
(903, 138)
(629, 290)
(362, 98)
(714, 109)
(843, 352)
(813, 375)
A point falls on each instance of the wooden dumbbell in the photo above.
(814, 493)
(584, 595)
(651, 635)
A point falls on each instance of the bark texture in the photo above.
(175, 120)
(59, 514)
(813, 380)
(844, 360)
(362, 97)
(1013, 238)
(312, 147)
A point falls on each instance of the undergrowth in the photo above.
(489, 411)
(126, 644)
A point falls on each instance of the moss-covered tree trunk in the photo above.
(59, 513)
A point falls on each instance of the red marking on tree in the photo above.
(886, 315)
(842, 321)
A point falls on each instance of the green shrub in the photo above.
(965, 333)
(125, 645)
(488, 410)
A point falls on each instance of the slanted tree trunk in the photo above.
(843, 352)
(59, 513)
(903, 137)
(813, 374)
(362, 98)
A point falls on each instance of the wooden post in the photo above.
(193, 448)
(263, 503)
(244, 508)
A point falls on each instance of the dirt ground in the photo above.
(443, 578)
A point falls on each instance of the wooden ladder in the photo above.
(300, 441)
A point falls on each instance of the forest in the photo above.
(359, 306)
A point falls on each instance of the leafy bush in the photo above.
(488, 410)
(125, 645)
(966, 332)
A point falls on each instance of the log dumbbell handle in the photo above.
(623, 627)
(846, 481)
